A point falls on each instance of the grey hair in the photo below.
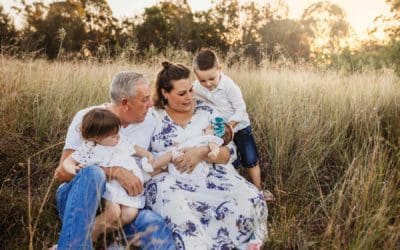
(124, 83)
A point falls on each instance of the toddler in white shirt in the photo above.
(105, 147)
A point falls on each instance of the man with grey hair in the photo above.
(79, 196)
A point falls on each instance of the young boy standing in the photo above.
(225, 95)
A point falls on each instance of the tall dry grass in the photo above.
(329, 144)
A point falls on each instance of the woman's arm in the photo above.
(192, 156)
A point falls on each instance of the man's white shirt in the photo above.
(134, 134)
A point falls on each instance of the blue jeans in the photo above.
(77, 203)
(246, 147)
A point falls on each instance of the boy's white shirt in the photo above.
(227, 98)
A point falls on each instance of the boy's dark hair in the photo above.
(99, 122)
(170, 72)
(205, 59)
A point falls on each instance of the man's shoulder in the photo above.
(79, 115)
(148, 123)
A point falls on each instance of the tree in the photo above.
(327, 25)
(165, 24)
(394, 30)
(101, 27)
(254, 20)
(286, 37)
(7, 28)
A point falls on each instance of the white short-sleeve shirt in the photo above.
(135, 134)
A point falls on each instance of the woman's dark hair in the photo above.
(170, 72)
(205, 59)
(99, 122)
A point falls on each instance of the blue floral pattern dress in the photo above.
(221, 211)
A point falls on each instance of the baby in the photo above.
(201, 170)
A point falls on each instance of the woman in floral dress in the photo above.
(221, 211)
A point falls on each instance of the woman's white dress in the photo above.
(220, 211)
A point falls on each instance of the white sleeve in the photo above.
(73, 139)
(235, 97)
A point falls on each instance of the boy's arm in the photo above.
(235, 97)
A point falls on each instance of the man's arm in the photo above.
(60, 174)
(126, 178)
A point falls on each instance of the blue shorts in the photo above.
(246, 148)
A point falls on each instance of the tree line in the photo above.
(83, 28)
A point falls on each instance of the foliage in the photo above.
(327, 25)
(328, 142)
(252, 33)
(7, 28)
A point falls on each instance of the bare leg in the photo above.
(255, 175)
(107, 218)
(128, 214)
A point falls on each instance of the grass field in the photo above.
(329, 144)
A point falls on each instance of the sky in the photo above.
(360, 13)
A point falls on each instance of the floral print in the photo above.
(223, 211)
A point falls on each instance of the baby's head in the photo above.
(228, 135)
(207, 69)
(101, 126)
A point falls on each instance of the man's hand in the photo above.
(126, 178)
(190, 158)
(61, 175)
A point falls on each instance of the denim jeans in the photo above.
(77, 202)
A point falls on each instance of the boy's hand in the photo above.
(233, 124)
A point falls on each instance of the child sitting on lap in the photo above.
(104, 147)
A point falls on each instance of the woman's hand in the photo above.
(189, 159)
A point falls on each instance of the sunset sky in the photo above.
(360, 13)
